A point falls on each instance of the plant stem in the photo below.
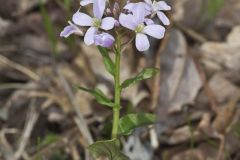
(117, 97)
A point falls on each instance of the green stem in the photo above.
(117, 97)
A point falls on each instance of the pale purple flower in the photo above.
(156, 7)
(105, 40)
(135, 22)
(95, 23)
(70, 29)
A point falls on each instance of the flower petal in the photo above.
(139, 12)
(148, 10)
(82, 19)
(148, 2)
(163, 6)
(129, 6)
(127, 20)
(148, 21)
(163, 18)
(142, 42)
(108, 23)
(85, 2)
(70, 29)
(98, 8)
(89, 36)
(156, 31)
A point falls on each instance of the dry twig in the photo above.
(19, 67)
(5, 148)
(30, 123)
(83, 127)
(191, 33)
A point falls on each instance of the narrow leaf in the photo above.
(107, 150)
(67, 4)
(132, 121)
(144, 74)
(107, 60)
(49, 28)
(99, 95)
(213, 7)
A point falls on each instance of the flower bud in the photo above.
(104, 40)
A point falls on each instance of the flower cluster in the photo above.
(137, 17)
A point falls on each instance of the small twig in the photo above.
(154, 137)
(191, 33)
(85, 144)
(74, 152)
(221, 147)
(5, 148)
(19, 67)
(84, 132)
(79, 119)
(38, 94)
(81, 123)
(12, 86)
(25, 156)
(30, 123)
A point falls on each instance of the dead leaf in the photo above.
(224, 54)
(222, 88)
(180, 80)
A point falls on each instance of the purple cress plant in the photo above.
(111, 21)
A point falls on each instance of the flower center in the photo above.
(140, 28)
(96, 22)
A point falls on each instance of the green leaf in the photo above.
(50, 138)
(107, 60)
(132, 121)
(213, 7)
(67, 4)
(48, 25)
(99, 95)
(109, 150)
(144, 74)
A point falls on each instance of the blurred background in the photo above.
(195, 97)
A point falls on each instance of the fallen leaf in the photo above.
(180, 80)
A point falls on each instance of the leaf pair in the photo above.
(110, 67)
(110, 149)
